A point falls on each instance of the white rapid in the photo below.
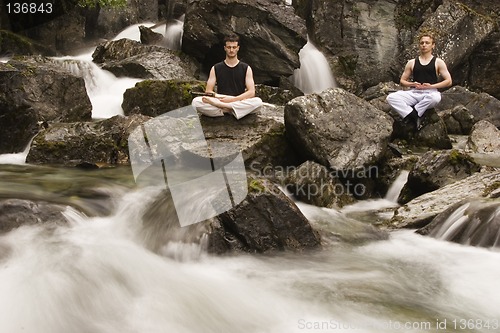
(173, 34)
(390, 199)
(100, 275)
(314, 74)
(104, 89)
(15, 158)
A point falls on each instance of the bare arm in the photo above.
(405, 77)
(444, 73)
(211, 81)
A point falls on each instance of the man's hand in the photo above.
(423, 86)
(228, 99)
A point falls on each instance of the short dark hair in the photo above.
(232, 38)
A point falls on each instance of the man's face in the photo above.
(426, 44)
(231, 49)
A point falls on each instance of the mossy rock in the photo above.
(11, 43)
(155, 97)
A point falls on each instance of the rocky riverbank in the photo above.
(330, 148)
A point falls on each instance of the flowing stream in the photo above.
(102, 272)
(97, 274)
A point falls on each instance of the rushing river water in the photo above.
(95, 274)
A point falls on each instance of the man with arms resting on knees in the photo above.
(235, 86)
(423, 93)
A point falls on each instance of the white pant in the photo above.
(240, 108)
(402, 101)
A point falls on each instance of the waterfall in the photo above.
(15, 158)
(473, 222)
(396, 187)
(314, 74)
(173, 33)
(389, 201)
(104, 89)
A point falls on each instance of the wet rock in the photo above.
(484, 139)
(259, 136)
(457, 120)
(337, 129)
(276, 95)
(267, 220)
(357, 38)
(474, 222)
(35, 90)
(314, 184)
(481, 105)
(129, 58)
(109, 20)
(18, 212)
(149, 37)
(484, 70)
(420, 211)
(155, 97)
(100, 142)
(435, 170)
(271, 35)
(13, 44)
(433, 133)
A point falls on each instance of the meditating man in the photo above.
(423, 93)
(235, 86)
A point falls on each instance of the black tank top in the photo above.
(231, 80)
(425, 74)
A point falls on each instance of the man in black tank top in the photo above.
(421, 75)
(235, 86)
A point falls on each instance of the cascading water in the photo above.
(133, 271)
(105, 274)
(104, 89)
(173, 33)
(473, 222)
(314, 74)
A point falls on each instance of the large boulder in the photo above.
(484, 70)
(433, 133)
(129, 58)
(271, 35)
(337, 129)
(267, 220)
(482, 106)
(11, 43)
(35, 90)
(18, 212)
(435, 170)
(259, 136)
(420, 211)
(484, 139)
(100, 142)
(458, 120)
(314, 184)
(155, 97)
(359, 38)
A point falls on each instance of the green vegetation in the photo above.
(256, 185)
(456, 157)
(102, 3)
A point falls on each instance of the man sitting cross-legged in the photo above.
(235, 86)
